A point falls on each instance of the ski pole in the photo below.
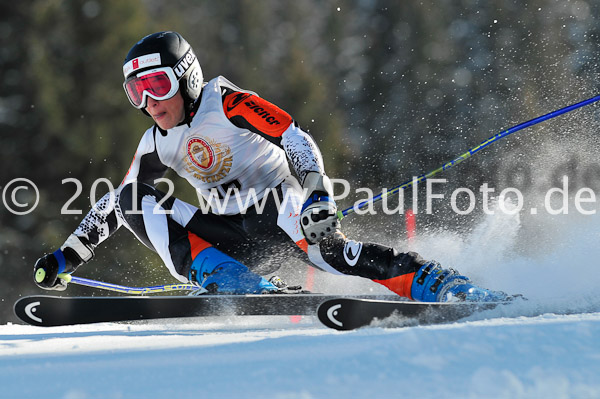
(466, 155)
(127, 290)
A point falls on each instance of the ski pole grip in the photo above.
(40, 275)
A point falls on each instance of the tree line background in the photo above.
(389, 89)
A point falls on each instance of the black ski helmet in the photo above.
(172, 50)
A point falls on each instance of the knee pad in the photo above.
(373, 261)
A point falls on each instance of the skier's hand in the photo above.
(45, 273)
(319, 213)
(74, 252)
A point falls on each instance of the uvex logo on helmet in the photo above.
(184, 63)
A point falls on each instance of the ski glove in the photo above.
(46, 271)
(318, 217)
(73, 253)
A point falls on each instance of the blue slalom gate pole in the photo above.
(467, 155)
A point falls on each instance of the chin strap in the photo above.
(191, 108)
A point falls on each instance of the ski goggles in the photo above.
(158, 83)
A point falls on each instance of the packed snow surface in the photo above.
(546, 347)
(548, 356)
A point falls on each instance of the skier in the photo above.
(233, 147)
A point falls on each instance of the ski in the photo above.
(46, 311)
(352, 313)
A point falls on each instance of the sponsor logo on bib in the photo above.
(208, 160)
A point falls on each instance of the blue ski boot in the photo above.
(220, 273)
(432, 283)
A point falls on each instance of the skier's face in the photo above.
(166, 113)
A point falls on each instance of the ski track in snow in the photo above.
(545, 347)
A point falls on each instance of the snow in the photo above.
(548, 356)
(545, 347)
